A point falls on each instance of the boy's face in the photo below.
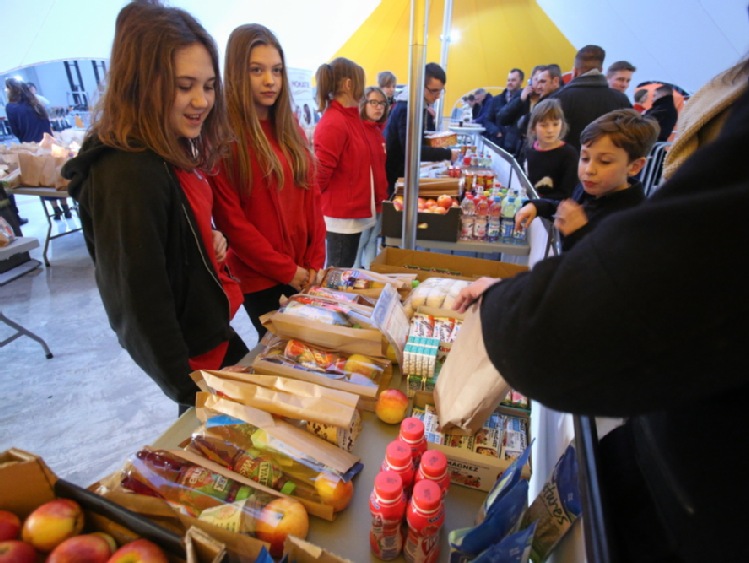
(603, 167)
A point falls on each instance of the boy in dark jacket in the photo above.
(614, 148)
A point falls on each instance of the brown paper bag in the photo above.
(40, 170)
(469, 387)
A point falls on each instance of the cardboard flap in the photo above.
(272, 394)
(27, 482)
(301, 551)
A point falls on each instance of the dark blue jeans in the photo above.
(341, 249)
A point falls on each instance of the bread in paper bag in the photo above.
(469, 387)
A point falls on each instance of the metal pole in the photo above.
(446, 39)
(414, 127)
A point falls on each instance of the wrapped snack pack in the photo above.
(438, 293)
(329, 311)
(212, 497)
(309, 404)
(276, 455)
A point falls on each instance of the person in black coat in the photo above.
(493, 131)
(664, 111)
(629, 326)
(588, 95)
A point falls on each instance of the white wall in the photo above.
(685, 42)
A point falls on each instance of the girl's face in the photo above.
(547, 132)
(266, 78)
(195, 90)
(375, 106)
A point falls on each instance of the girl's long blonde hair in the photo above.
(250, 138)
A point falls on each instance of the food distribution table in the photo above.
(348, 535)
(49, 191)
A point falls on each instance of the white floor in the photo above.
(89, 407)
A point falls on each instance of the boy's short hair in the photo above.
(619, 66)
(627, 129)
(665, 89)
(547, 110)
(641, 95)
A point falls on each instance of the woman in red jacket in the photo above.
(373, 110)
(344, 163)
(267, 202)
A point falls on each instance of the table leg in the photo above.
(48, 215)
(22, 331)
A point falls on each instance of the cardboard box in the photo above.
(430, 226)
(26, 483)
(471, 469)
(433, 264)
(433, 187)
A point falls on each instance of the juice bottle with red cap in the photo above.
(398, 458)
(425, 516)
(387, 505)
(433, 466)
(412, 433)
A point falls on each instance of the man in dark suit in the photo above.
(664, 110)
(503, 136)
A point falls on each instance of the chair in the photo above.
(650, 175)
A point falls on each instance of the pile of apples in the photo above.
(429, 205)
(52, 533)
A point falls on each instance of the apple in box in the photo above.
(15, 551)
(91, 548)
(10, 526)
(52, 523)
(139, 551)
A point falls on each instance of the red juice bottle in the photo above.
(433, 466)
(425, 516)
(398, 458)
(412, 433)
(387, 505)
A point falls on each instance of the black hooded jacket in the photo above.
(161, 294)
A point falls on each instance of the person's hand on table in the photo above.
(471, 293)
(220, 245)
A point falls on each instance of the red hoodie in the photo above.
(344, 163)
(376, 141)
(271, 231)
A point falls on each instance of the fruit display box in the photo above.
(430, 226)
(471, 469)
(433, 264)
(26, 482)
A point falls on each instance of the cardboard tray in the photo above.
(433, 187)
(26, 483)
(433, 264)
(471, 469)
(430, 226)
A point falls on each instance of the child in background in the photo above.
(267, 202)
(344, 164)
(551, 163)
(373, 109)
(614, 148)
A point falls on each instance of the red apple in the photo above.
(391, 406)
(139, 551)
(107, 538)
(334, 491)
(445, 201)
(398, 205)
(52, 523)
(91, 548)
(14, 551)
(10, 525)
(279, 518)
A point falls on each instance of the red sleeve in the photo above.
(330, 138)
(315, 255)
(245, 240)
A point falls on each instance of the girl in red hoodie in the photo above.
(344, 163)
(373, 110)
(267, 202)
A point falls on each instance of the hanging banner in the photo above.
(303, 96)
